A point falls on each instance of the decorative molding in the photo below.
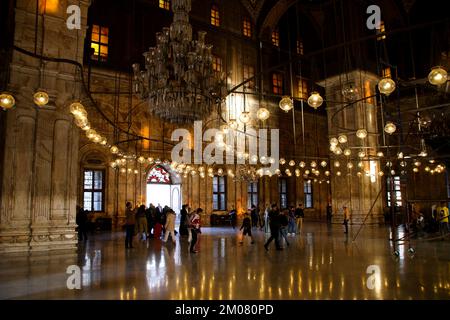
(253, 7)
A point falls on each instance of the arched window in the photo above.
(158, 175)
(215, 15)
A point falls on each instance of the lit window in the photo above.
(307, 189)
(249, 72)
(93, 190)
(302, 92)
(219, 193)
(247, 27)
(99, 42)
(277, 83)
(215, 16)
(276, 37)
(396, 190)
(381, 31)
(387, 72)
(164, 4)
(217, 64)
(252, 194)
(282, 188)
(300, 47)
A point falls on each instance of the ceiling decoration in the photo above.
(253, 7)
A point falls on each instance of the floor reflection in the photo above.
(322, 263)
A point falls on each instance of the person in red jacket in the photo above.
(195, 227)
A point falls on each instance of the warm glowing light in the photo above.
(386, 86)
(334, 142)
(380, 154)
(361, 133)
(437, 76)
(41, 98)
(390, 127)
(7, 101)
(232, 123)
(323, 164)
(244, 117)
(286, 104)
(347, 152)
(263, 114)
(315, 100)
(342, 138)
(78, 110)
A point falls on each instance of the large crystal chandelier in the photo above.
(179, 81)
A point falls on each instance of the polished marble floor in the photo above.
(321, 263)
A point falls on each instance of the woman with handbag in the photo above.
(195, 229)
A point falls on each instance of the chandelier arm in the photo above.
(87, 92)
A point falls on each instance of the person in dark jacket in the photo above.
(284, 222)
(130, 221)
(150, 214)
(183, 221)
(233, 216)
(247, 226)
(81, 220)
(254, 216)
(274, 223)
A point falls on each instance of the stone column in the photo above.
(37, 204)
(358, 193)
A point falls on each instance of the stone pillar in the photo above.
(358, 193)
(39, 184)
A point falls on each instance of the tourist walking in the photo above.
(266, 219)
(233, 217)
(81, 220)
(130, 221)
(346, 213)
(195, 226)
(141, 220)
(170, 226)
(274, 223)
(284, 222)
(442, 213)
(299, 215)
(254, 216)
(291, 225)
(150, 214)
(183, 221)
(247, 227)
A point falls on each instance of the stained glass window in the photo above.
(158, 175)
(99, 42)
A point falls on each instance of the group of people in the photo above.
(159, 223)
(279, 223)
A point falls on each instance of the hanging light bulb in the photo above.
(381, 173)
(417, 163)
(349, 91)
(232, 123)
(297, 172)
(141, 159)
(7, 101)
(136, 171)
(359, 174)
(307, 172)
(263, 114)
(271, 160)
(386, 86)
(315, 100)
(360, 164)
(400, 155)
(337, 164)
(334, 142)
(338, 151)
(403, 163)
(254, 158)
(361, 154)
(302, 164)
(123, 170)
(323, 164)
(41, 98)
(393, 172)
(83, 123)
(338, 173)
(427, 169)
(90, 134)
(347, 152)
(220, 172)
(113, 164)
(97, 138)
(361, 133)
(244, 117)
(390, 127)
(292, 163)
(342, 138)
(282, 161)
(313, 164)
(78, 110)
(380, 154)
(350, 165)
(103, 141)
(263, 159)
(286, 104)
(437, 76)
(416, 170)
(327, 173)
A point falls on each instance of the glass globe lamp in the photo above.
(386, 86)
(315, 100)
(41, 98)
(244, 117)
(263, 114)
(286, 104)
(7, 101)
(361, 133)
(437, 76)
(390, 127)
(342, 138)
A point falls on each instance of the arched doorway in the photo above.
(163, 188)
